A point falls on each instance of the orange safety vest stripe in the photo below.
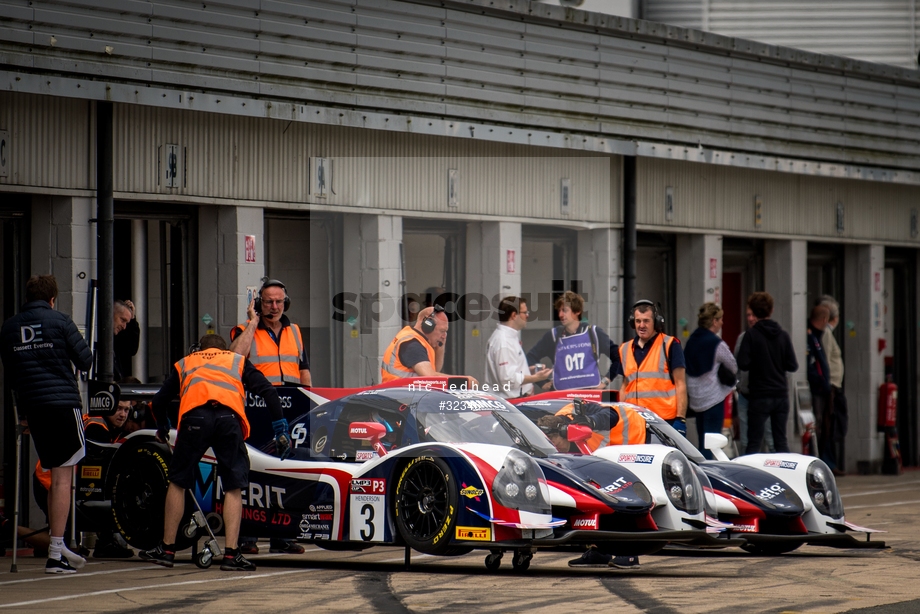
(390, 367)
(43, 475)
(212, 375)
(278, 362)
(87, 420)
(649, 385)
(630, 422)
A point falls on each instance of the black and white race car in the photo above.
(443, 471)
(775, 502)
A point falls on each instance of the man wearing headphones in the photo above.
(274, 345)
(653, 368)
(417, 350)
(270, 341)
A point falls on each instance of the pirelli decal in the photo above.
(476, 534)
(91, 473)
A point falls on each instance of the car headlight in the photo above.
(681, 484)
(822, 488)
(517, 484)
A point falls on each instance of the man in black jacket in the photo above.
(39, 347)
(766, 353)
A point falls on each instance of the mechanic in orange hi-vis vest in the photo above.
(417, 350)
(270, 340)
(210, 383)
(653, 368)
(626, 425)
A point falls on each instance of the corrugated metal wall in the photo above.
(50, 145)
(874, 31)
(524, 65)
(721, 199)
(266, 161)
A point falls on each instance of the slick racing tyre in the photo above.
(426, 505)
(138, 480)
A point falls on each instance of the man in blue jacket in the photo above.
(39, 347)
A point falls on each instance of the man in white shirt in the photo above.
(507, 373)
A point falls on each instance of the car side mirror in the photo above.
(577, 434)
(369, 431)
(714, 442)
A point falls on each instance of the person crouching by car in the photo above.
(556, 430)
(212, 415)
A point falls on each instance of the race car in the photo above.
(441, 471)
(776, 502)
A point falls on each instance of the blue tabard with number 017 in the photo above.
(575, 365)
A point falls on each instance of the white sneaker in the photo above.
(76, 561)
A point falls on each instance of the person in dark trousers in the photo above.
(837, 421)
(127, 336)
(276, 347)
(212, 415)
(819, 374)
(766, 353)
(711, 370)
(39, 348)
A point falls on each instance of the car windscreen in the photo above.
(455, 419)
(665, 434)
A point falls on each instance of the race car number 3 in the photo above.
(368, 510)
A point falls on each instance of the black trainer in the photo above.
(57, 566)
(235, 561)
(591, 558)
(625, 562)
(159, 555)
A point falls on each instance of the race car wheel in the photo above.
(521, 560)
(769, 549)
(137, 484)
(426, 505)
(494, 561)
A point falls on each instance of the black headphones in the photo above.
(269, 283)
(429, 323)
(657, 318)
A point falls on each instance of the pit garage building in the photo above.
(362, 150)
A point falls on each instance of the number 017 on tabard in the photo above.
(367, 510)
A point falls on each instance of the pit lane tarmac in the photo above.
(810, 580)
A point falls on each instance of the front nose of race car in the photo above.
(520, 488)
(595, 493)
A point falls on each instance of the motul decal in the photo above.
(585, 522)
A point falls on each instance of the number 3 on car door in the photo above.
(367, 510)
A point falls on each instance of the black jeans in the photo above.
(759, 409)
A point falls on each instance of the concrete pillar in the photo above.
(223, 273)
(786, 279)
(493, 271)
(699, 279)
(139, 282)
(864, 274)
(64, 245)
(599, 272)
(372, 274)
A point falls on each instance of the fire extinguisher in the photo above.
(887, 423)
(887, 405)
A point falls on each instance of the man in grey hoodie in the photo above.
(766, 352)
